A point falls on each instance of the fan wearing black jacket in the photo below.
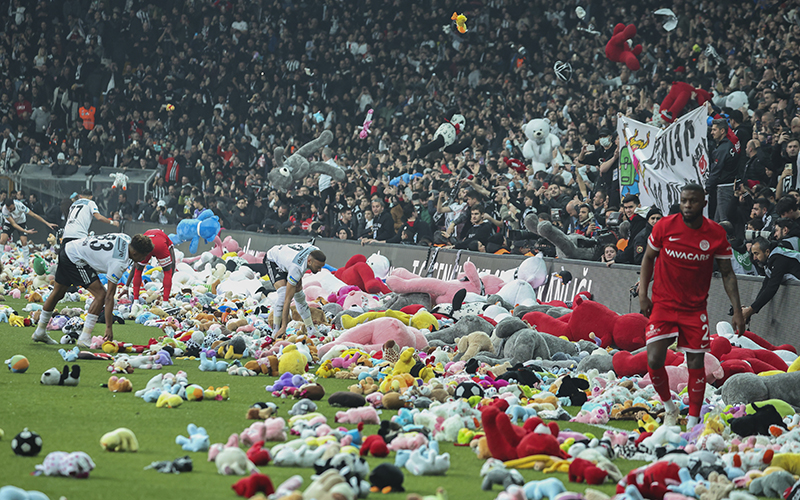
(780, 264)
(478, 229)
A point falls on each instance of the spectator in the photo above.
(640, 240)
(780, 264)
(124, 207)
(723, 171)
(382, 227)
(755, 170)
(609, 254)
(477, 230)
(787, 233)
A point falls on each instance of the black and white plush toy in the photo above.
(446, 137)
(65, 377)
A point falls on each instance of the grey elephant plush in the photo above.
(297, 166)
(573, 246)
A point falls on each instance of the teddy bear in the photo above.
(372, 335)
(359, 273)
(749, 388)
(680, 94)
(620, 51)
(540, 144)
(508, 441)
(121, 439)
(573, 246)
(442, 292)
(297, 167)
(205, 226)
(445, 138)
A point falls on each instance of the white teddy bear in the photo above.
(540, 144)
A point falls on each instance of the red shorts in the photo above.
(691, 328)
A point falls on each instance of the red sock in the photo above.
(660, 381)
(697, 390)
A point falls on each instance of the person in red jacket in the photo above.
(164, 252)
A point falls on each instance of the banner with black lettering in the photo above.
(656, 163)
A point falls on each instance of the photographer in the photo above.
(160, 215)
(780, 264)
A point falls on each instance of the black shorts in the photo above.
(276, 274)
(68, 273)
(9, 229)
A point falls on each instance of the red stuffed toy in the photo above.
(249, 486)
(507, 441)
(651, 480)
(375, 445)
(581, 470)
(627, 364)
(678, 97)
(590, 320)
(618, 50)
(258, 454)
(358, 273)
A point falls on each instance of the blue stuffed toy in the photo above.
(197, 441)
(205, 226)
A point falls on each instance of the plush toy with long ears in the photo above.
(618, 48)
(442, 292)
(297, 167)
(364, 129)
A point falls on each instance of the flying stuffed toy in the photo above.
(205, 226)
(365, 127)
(445, 137)
(461, 22)
(297, 167)
(120, 180)
(680, 94)
(619, 50)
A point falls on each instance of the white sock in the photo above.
(691, 421)
(88, 326)
(669, 405)
(26, 253)
(44, 319)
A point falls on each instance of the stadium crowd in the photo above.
(202, 92)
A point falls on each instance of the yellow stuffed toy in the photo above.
(292, 361)
(405, 362)
(122, 439)
(120, 384)
(15, 320)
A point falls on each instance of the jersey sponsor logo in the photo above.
(686, 255)
(704, 245)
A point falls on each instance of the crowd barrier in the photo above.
(777, 322)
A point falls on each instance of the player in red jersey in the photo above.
(686, 245)
(164, 252)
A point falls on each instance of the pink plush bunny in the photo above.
(365, 126)
(364, 414)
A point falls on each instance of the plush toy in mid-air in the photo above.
(297, 167)
(205, 226)
(120, 180)
(540, 144)
(365, 126)
(680, 94)
(619, 50)
(461, 22)
(445, 137)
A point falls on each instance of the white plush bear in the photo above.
(734, 100)
(540, 144)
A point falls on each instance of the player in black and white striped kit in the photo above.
(14, 219)
(79, 261)
(81, 214)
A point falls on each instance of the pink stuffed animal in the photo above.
(214, 449)
(596, 416)
(272, 429)
(679, 375)
(408, 441)
(442, 292)
(341, 295)
(365, 126)
(363, 414)
(371, 336)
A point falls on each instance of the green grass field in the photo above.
(74, 419)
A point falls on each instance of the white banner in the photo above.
(655, 163)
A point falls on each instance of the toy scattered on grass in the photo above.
(27, 443)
